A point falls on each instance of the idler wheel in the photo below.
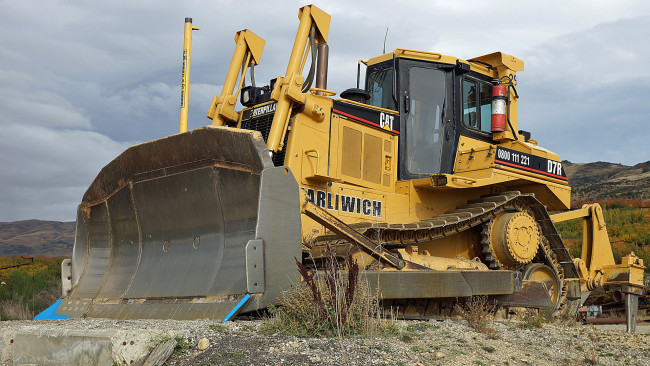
(542, 273)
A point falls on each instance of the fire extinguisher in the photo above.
(499, 98)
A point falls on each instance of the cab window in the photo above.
(380, 87)
(424, 122)
(477, 104)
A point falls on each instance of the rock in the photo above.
(204, 343)
(314, 358)
(440, 355)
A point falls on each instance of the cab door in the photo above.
(427, 134)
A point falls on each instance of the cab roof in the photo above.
(491, 64)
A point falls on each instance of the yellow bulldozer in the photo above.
(421, 175)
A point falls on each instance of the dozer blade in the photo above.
(185, 227)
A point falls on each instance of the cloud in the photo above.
(81, 81)
(25, 103)
(46, 171)
(584, 94)
(42, 113)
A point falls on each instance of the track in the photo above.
(477, 212)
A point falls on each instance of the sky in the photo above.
(80, 81)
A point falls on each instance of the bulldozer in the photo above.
(421, 175)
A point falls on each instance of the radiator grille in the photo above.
(263, 125)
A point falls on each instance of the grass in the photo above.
(182, 345)
(590, 358)
(330, 302)
(218, 327)
(406, 338)
(421, 327)
(532, 321)
(28, 290)
(418, 349)
(247, 328)
(479, 314)
(488, 349)
(583, 357)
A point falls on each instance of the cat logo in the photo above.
(386, 121)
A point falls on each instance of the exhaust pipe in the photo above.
(321, 67)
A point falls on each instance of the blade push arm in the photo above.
(247, 52)
(597, 267)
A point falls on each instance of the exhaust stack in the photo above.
(321, 66)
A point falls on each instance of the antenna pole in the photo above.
(386, 36)
(185, 77)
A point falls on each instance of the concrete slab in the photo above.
(84, 348)
(60, 343)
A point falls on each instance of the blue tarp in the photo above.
(237, 307)
(49, 313)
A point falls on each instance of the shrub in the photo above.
(590, 358)
(532, 321)
(329, 302)
(479, 314)
(28, 290)
(182, 345)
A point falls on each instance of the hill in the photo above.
(590, 181)
(606, 181)
(36, 238)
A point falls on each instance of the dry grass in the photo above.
(590, 357)
(585, 356)
(16, 310)
(19, 308)
(50, 295)
(479, 314)
(330, 302)
(532, 320)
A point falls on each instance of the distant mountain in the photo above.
(591, 181)
(602, 181)
(36, 238)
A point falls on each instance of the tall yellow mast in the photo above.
(185, 78)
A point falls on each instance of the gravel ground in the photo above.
(434, 342)
(444, 342)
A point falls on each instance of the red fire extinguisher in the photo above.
(499, 98)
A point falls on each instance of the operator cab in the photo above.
(439, 98)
